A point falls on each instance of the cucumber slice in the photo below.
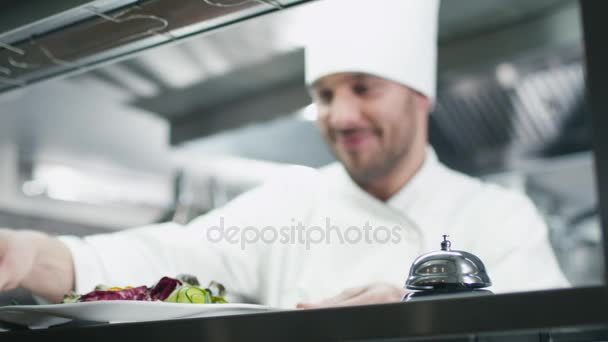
(182, 295)
(172, 298)
(197, 295)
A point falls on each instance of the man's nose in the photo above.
(344, 112)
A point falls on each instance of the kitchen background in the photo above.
(174, 131)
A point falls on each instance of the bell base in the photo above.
(444, 294)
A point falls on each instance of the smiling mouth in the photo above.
(352, 140)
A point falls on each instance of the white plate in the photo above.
(114, 311)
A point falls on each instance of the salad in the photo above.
(182, 289)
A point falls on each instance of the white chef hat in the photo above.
(392, 39)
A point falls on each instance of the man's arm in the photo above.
(51, 267)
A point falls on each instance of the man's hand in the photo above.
(36, 262)
(372, 294)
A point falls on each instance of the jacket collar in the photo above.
(413, 202)
(415, 197)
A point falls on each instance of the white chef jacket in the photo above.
(264, 260)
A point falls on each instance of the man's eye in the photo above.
(325, 96)
(360, 89)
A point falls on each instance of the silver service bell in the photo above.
(446, 273)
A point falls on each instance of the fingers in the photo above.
(7, 281)
(332, 301)
(374, 294)
(344, 295)
(15, 260)
(5, 272)
(377, 295)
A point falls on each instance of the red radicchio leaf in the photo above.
(163, 288)
(126, 294)
(144, 296)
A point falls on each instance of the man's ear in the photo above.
(423, 103)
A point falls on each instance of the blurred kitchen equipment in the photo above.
(446, 273)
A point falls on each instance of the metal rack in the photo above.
(38, 51)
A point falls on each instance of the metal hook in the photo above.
(5, 71)
(17, 64)
(8, 71)
(51, 56)
(54, 59)
(22, 65)
(12, 48)
(273, 3)
(219, 4)
(116, 19)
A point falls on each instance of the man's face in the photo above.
(371, 124)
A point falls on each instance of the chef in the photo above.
(342, 235)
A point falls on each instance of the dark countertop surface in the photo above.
(560, 315)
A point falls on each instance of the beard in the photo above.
(379, 166)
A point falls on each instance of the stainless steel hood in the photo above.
(44, 39)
